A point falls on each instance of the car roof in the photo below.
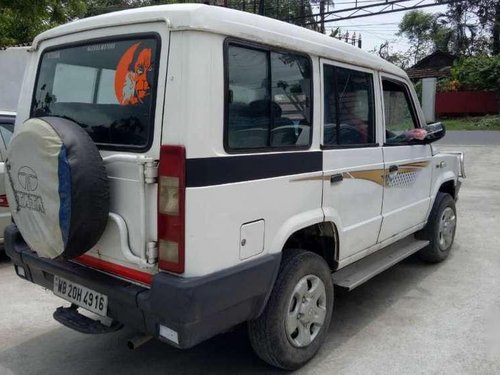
(234, 23)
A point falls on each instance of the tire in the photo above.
(439, 230)
(270, 334)
(57, 187)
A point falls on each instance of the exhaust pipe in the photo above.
(137, 341)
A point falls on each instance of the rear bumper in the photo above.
(195, 308)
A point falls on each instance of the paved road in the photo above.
(412, 319)
(476, 137)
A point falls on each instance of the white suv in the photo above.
(183, 169)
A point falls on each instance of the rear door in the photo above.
(352, 158)
(112, 83)
(6, 130)
(407, 162)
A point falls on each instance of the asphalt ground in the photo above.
(414, 318)
(467, 137)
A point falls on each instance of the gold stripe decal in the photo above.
(378, 176)
(374, 175)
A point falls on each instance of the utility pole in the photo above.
(322, 16)
(302, 13)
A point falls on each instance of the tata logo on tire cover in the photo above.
(28, 180)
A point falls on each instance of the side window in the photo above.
(348, 107)
(6, 131)
(269, 99)
(399, 114)
(83, 84)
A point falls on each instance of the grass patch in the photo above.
(491, 122)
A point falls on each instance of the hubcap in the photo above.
(446, 228)
(306, 311)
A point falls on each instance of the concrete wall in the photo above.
(12, 64)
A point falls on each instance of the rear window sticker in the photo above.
(131, 77)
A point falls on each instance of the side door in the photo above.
(407, 162)
(352, 159)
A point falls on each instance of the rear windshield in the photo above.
(108, 88)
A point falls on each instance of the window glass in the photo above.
(6, 131)
(399, 116)
(248, 111)
(291, 86)
(107, 88)
(348, 107)
(268, 99)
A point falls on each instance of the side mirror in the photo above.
(435, 132)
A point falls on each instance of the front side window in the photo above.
(268, 99)
(399, 115)
(108, 88)
(348, 107)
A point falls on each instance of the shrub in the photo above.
(478, 73)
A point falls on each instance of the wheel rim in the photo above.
(447, 225)
(306, 311)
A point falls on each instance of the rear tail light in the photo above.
(171, 201)
(3, 201)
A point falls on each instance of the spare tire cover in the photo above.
(57, 187)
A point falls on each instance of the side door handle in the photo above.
(393, 169)
(338, 177)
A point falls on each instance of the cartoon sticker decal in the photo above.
(131, 77)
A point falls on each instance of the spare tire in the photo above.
(57, 187)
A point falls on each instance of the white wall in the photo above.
(12, 64)
(429, 99)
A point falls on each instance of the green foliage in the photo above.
(417, 27)
(477, 73)
(475, 25)
(385, 51)
(473, 123)
(22, 20)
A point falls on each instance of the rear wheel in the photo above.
(296, 319)
(440, 229)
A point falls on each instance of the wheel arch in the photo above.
(320, 238)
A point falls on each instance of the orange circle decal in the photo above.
(131, 77)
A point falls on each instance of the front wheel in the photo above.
(296, 319)
(440, 229)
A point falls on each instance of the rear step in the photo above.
(71, 318)
(363, 270)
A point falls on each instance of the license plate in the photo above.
(81, 296)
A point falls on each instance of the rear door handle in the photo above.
(393, 168)
(338, 177)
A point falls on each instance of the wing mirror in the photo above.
(435, 132)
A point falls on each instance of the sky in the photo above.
(375, 30)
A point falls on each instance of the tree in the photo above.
(401, 59)
(22, 20)
(482, 30)
(417, 27)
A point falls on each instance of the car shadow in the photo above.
(62, 350)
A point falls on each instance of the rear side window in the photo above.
(6, 128)
(6, 131)
(268, 99)
(108, 88)
(348, 107)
